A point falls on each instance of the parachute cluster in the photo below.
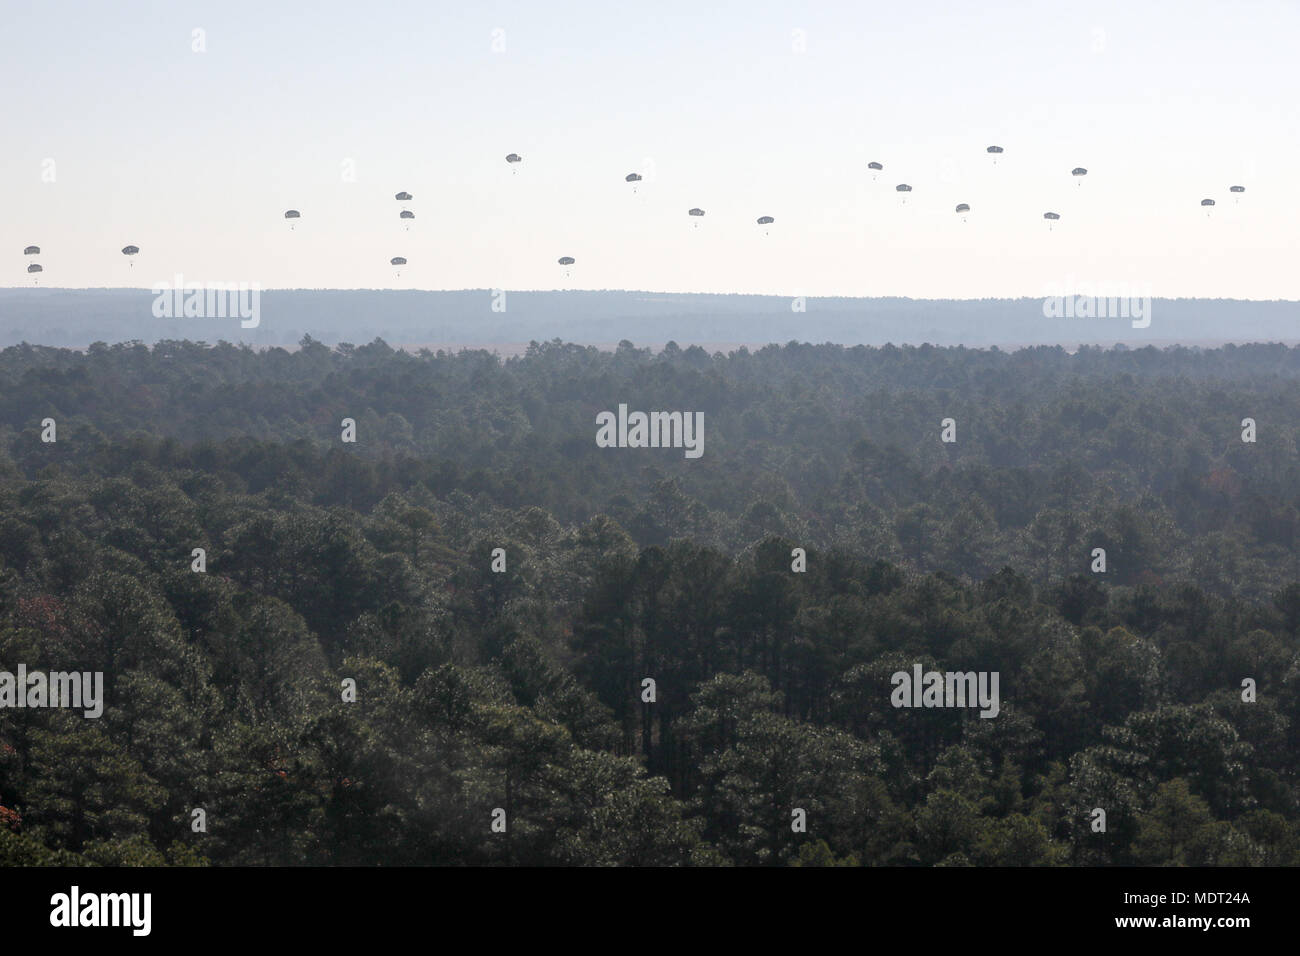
(1078, 172)
(1232, 189)
(406, 215)
(35, 268)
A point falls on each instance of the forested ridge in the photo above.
(521, 689)
(76, 317)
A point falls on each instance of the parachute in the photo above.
(1051, 217)
(403, 197)
(32, 251)
(130, 251)
(34, 268)
(292, 214)
(875, 168)
(962, 208)
(1207, 202)
(996, 151)
(765, 220)
(632, 178)
(406, 214)
(1078, 173)
(903, 188)
(514, 158)
(697, 211)
(566, 260)
(1236, 189)
(397, 261)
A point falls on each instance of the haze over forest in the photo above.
(78, 317)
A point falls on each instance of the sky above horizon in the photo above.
(118, 132)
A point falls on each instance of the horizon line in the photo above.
(150, 290)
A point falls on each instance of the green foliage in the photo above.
(523, 691)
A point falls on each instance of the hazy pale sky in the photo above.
(745, 109)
